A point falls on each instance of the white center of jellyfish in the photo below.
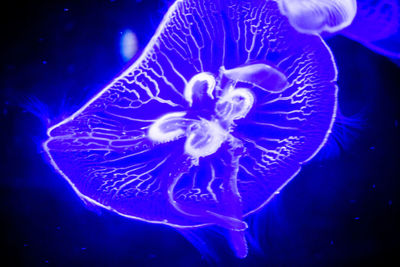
(209, 120)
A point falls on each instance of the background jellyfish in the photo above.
(216, 116)
(377, 26)
(339, 210)
(128, 45)
(316, 16)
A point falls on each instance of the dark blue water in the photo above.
(340, 209)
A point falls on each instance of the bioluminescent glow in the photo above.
(377, 26)
(216, 116)
(128, 45)
(316, 16)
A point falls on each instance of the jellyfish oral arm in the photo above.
(204, 137)
(260, 75)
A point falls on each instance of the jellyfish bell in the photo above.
(316, 16)
(194, 133)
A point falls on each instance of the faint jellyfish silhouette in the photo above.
(377, 26)
(128, 45)
(213, 119)
(316, 16)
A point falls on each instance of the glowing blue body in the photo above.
(163, 145)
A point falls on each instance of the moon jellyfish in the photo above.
(316, 16)
(377, 26)
(217, 115)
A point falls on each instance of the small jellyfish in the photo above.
(128, 45)
(377, 26)
(316, 16)
(216, 116)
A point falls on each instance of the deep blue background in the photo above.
(340, 210)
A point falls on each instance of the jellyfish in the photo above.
(214, 118)
(316, 16)
(128, 45)
(377, 26)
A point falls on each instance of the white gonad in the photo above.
(168, 128)
(316, 16)
(195, 85)
(234, 104)
(204, 139)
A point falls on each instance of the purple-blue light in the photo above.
(377, 26)
(217, 115)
